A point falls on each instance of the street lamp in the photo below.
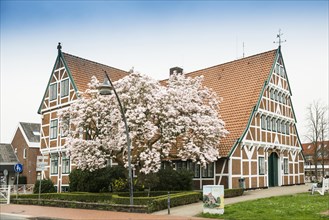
(105, 89)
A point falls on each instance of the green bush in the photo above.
(172, 180)
(175, 200)
(47, 186)
(96, 181)
(228, 193)
(80, 197)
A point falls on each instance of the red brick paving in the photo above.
(69, 213)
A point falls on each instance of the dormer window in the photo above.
(53, 91)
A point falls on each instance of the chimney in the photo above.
(176, 70)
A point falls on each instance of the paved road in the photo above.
(29, 212)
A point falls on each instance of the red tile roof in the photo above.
(308, 148)
(82, 70)
(239, 83)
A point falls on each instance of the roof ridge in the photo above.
(93, 61)
(251, 56)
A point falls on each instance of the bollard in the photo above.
(168, 203)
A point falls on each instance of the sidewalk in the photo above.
(178, 213)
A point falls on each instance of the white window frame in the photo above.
(54, 164)
(53, 91)
(261, 165)
(24, 153)
(65, 87)
(285, 166)
(65, 164)
(53, 129)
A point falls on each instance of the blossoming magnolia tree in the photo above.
(178, 120)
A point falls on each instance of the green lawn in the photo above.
(300, 206)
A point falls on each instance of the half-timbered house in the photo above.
(70, 75)
(262, 148)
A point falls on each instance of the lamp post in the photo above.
(105, 89)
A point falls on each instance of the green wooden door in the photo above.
(273, 170)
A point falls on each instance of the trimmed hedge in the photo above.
(228, 193)
(105, 201)
(80, 197)
(160, 202)
(82, 205)
(175, 200)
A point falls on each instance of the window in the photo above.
(285, 165)
(268, 123)
(287, 128)
(65, 164)
(208, 172)
(283, 127)
(53, 129)
(276, 95)
(64, 87)
(280, 97)
(272, 94)
(273, 124)
(24, 153)
(54, 164)
(197, 170)
(188, 165)
(53, 91)
(283, 99)
(282, 71)
(263, 122)
(278, 125)
(261, 165)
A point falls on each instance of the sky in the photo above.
(153, 36)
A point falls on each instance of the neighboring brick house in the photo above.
(8, 159)
(69, 76)
(308, 150)
(26, 143)
(263, 146)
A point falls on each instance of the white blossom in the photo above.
(180, 119)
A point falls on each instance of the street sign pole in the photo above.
(18, 169)
(17, 175)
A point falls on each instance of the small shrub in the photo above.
(47, 186)
(96, 181)
(172, 180)
(119, 185)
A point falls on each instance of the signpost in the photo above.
(18, 169)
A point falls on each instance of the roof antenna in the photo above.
(279, 36)
(243, 49)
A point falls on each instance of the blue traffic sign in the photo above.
(18, 168)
